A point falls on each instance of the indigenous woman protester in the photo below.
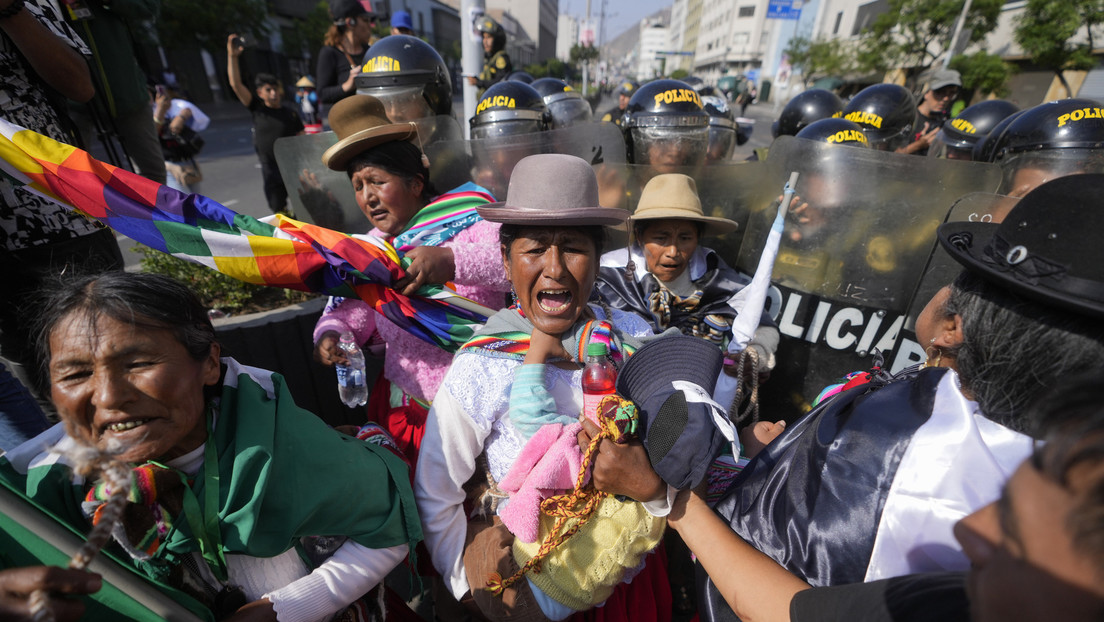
(219, 503)
(667, 277)
(519, 375)
(445, 239)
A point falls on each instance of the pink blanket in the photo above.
(546, 466)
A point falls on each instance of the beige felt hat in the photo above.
(675, 196)
(555, 190)
(361, 123)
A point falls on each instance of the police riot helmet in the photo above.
(665, 121)
(723, 131)
(835, 132)
(521, 76)
(985, 150)
(564, 103)
(627, 88)
(805, 108)
(886, 113)
(403, 71)
(1048, 141)
(509, 108)
(1062, 124)
(487, 25)
(958, 136)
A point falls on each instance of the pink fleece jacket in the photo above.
(414, 365)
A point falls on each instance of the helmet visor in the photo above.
(569, 111)
(669, 147)
(1023, 172)
(722, 141)
(402, 103)
(951, 147)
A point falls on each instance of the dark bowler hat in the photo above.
(679, 434)
(555, 190)
(1047, 248)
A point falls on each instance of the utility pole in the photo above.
(471, 56)
(957, 31)
(586, 62)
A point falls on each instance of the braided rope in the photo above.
(563, 507)
(750, 415)
(116, 476)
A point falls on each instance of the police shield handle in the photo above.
(749, 301)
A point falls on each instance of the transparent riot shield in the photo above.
(857, 239)
(941, 269)
(493, 158)
(325, 197)
(727, 190)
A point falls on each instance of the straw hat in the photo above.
(674, 195)
(552, 189)
(361, 123)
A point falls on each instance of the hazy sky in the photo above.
(620, 14)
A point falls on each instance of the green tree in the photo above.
(914, 33)
(306, 35)
(583, 53)
(184, 23)
(820, 58)
(983, 72)
(1046, 30)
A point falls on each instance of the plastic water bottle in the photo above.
(352, 382)
(599, 379)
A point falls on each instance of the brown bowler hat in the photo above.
(361, 123)
(552, 189)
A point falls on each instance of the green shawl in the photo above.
(282, 474)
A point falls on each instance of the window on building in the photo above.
(865, 15)
(839, 18)
(747, 11)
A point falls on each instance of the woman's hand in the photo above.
(350, 83)
(258, 610)
(543, 347)
(16, 585)
(327, 351)
(428, 264)
(622, 468)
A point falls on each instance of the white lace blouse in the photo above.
(470, 417)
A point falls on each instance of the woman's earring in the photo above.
(934, 354)
(513, 296)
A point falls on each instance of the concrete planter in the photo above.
(280, 340)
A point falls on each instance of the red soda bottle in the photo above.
(599, 379)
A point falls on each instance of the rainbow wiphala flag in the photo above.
(292, 254)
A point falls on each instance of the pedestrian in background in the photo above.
(122, 100)
(401, 23)
(271, 120)
(343, 49)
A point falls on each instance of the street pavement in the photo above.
(232, 173)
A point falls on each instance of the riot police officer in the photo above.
(958, 136)
(804, 108)
(504, 130)
(886, 112)
(724, 133)
(496, 62)
(666, 127)
(624, 94)
(408, 76)
(1048, 141)
(564, 103)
